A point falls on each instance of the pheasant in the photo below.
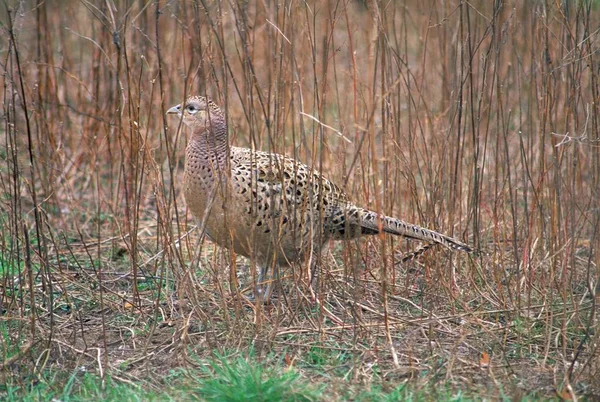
(269, 207)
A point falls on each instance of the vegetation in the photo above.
(478, 119)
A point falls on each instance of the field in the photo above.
(478, 119)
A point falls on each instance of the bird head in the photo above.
(198, 112)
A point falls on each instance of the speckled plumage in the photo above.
(267, 206)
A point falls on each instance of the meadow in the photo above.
(478, 119)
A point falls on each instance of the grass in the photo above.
(238, 380)
(478, 119)
(227, 379)
(79, 387)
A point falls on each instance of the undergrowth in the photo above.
(477, 119)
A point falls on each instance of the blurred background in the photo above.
(478, 119)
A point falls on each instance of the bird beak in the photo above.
(175, 110)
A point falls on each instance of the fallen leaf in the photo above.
(485, 359)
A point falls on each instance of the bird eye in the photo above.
(191, 108)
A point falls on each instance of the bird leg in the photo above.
(313, 274)
(264, 284)
(262, 287)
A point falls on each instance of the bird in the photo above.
(269, 207)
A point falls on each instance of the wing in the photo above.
(274, 186)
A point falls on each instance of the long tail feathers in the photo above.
(371, 220)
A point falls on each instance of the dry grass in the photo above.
(476, 119)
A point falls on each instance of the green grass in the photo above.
(228, 379)
(240, 380)
(85, 387)
(9, 267)
(221, 379)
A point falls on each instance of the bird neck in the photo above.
(210, 145)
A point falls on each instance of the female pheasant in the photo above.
(268, 207)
